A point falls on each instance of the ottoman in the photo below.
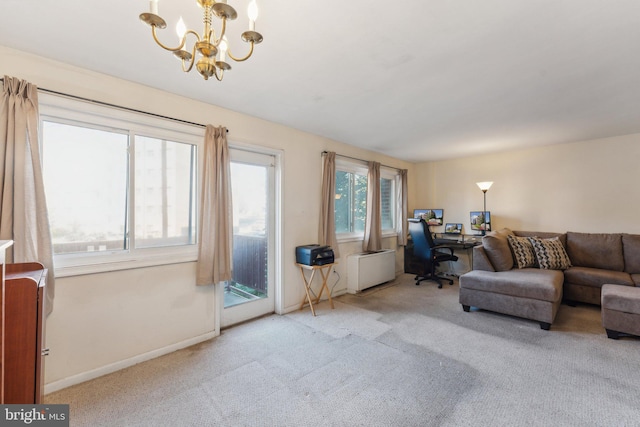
(620, 310)
(530, 293)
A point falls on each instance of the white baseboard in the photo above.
(292, 308)
(113, 367)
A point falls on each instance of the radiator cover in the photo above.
(369, 269)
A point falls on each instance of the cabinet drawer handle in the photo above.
(45, 351)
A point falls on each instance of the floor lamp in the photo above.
(484, 186)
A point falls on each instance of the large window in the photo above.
(351, 202)
(351, 199)
(118, 191)
(165, 192)
(388, 203)
(86, 179)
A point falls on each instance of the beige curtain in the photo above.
(215, 258)
(327, 228)
(373, 226)
(23, 210)
(402, 208)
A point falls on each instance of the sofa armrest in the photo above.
(481, 260)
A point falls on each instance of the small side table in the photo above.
(324, 272)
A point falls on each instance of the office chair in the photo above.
(428, 252)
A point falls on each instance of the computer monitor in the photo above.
(432, 216)
(478, 222)
(417, 213)
(454, 228)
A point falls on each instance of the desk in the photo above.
(457, 241)
(462, 244)
(324, 272)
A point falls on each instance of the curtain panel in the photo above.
(215, 241)
(23, 209)
(373, 225)
(402, 206)
(327, 228)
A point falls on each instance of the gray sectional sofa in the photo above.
(505, 280)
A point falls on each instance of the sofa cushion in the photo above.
(596, 250)
(497, 249)
(523, 252)
(550, 254)
(596, 277)
(631, 248)
(481, 260)
(533, 283)
(636, 279)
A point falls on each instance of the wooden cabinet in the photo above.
(24, 332)
(4, 246)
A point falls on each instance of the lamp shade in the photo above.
(484, 186)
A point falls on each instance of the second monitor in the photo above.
(478, 221)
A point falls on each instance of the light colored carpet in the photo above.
(399, 355)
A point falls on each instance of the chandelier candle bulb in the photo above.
(223, 50)
(153, 6)
(181, 28)
(253, 15)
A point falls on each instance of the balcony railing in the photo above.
(250, 262)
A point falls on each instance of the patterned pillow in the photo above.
(550, 253)
(522, 250)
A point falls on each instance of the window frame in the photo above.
(84, 113)
(361, 168)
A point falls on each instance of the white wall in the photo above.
(106, 321)
(588, 186)
(103, 322)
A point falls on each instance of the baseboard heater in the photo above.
(368, 269)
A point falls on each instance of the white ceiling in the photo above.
(414, 79)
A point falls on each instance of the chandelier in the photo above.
(210, 49)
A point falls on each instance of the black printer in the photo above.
(314, 255)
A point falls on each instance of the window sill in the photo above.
(349, 239)
(106, 264)
(360, 238)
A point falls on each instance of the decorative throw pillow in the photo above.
(522, 250)
(550, 253)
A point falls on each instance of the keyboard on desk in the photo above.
(463, 241)
(440, 241)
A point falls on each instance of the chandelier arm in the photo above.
(172, 49)
(191, 62)
(219, 78)
(241, 59)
